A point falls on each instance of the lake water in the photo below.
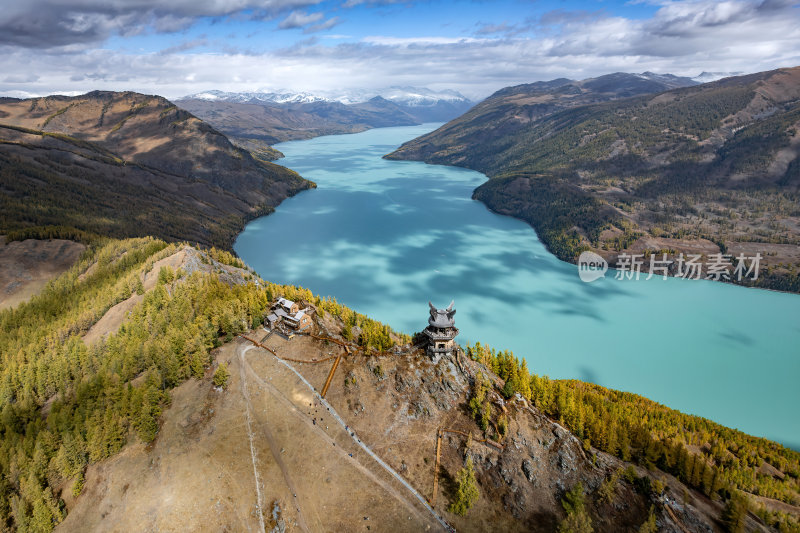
(384, 237)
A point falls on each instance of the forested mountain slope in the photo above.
(127, 164)
(712, 168)
(126, 430)
(493, 124)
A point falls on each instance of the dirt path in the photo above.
(196, 476)
(413, 506)
(343, 454)
(267, 427)
(273, 446)
(253, 457)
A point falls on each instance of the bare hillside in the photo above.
(26, 266)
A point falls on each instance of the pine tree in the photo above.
(479, 404)
(624, 444)
(734, 514)
(221, 376)
(649, 525)
(697, 470)
(577, 520)
(716, 482)
(467, 492)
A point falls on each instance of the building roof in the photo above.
(286, 304)
(442, 318)
(436, 335)
(282, 313)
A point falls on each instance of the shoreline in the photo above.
(488, 336)
(643, 273)
(573, 261)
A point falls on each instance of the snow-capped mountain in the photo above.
(705, 77)
(405, 96)
(284, 97)
(668, 80)
(419, 104)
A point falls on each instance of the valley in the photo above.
(300, 266)
(384, 237)
(131, 316)
(257, 120)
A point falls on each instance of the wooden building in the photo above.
(288, 313)
(441, 331)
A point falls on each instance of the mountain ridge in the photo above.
(402, 95)
(510, 111)
(138, 410)
(262, 119)
(591, 171)
(146, 166)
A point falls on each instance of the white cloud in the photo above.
(322, 26)
(298, 19)
(21, 78)
(407, 41)
(683, 38)
(52, 23)
(354, 3)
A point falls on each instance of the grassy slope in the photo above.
(103, 395)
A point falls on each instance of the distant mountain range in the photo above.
(128, 164)
(258, 119)
(407, 96)
(641, 164)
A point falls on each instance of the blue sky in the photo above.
(185, 46)
(455, 20)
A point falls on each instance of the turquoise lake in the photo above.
(384, 237)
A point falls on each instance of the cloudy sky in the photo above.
(178, 47)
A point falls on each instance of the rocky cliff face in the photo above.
(397, 405)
